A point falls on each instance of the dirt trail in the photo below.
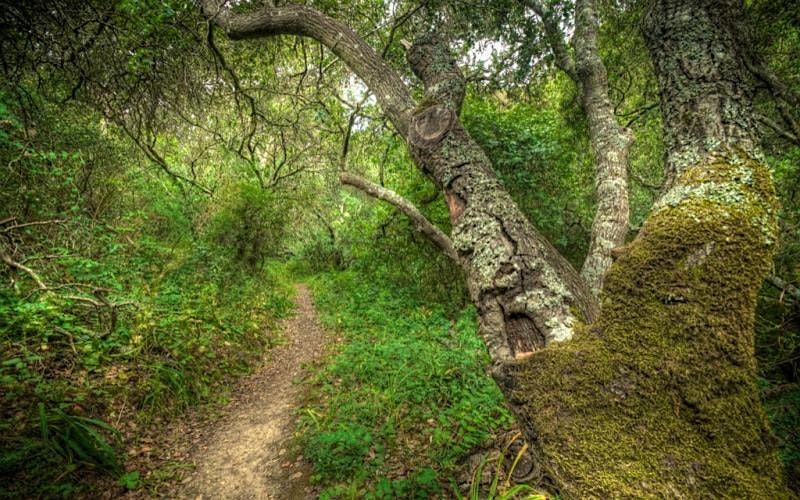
(248, 455)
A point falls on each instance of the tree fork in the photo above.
(526, 293)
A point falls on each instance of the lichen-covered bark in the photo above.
(526, 293)
(524, 290)
(610, 144)
(610, 141)
(701, 68)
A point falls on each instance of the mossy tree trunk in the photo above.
(656, 396)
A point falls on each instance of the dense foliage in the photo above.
(116, 321)
(161, 189)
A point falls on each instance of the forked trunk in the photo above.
(657, 397)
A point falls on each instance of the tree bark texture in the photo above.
(523, 288)
(610, 144)
(658, 398)
(702, 73)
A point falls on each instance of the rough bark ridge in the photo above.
(610, 141)
(658, 397)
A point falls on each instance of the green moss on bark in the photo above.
(658, 397)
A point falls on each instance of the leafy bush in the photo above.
(250, 223)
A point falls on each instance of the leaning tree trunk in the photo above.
(526, 293)
(658, 398)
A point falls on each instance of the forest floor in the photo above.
(249, 452)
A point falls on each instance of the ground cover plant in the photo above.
(405, 397)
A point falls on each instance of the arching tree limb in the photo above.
(526, 293)
(421, 223)
(301, 20)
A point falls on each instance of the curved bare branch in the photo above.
(421, 223)
(301, 20)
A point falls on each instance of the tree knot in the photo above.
(429, 126)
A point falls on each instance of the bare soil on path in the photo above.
(248, 455)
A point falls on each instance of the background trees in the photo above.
(129, 145)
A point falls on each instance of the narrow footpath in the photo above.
(249, 455)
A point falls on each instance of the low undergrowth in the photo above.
(78, 391)
(404, 399)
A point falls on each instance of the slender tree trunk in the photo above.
(610, 144)
(658, 397)
(610, 141)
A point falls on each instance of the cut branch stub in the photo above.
(429, 126)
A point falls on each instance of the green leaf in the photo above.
(130, 480)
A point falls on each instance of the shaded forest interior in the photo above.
(454, 181)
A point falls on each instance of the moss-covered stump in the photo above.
(658, 397)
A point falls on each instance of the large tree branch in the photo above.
(300, 20)
(432, 62)
(421, 223)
